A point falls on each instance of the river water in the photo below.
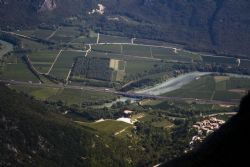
(172, 83)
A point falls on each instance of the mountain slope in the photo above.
(32, 134)
(221, 26)
(229, 145)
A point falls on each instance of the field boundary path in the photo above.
(89, 50)
(54, 61)
(52, 34)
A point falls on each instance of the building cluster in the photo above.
(205, 128)
(100, 10)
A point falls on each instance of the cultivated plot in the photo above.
(113, 39)
(137, 66)
(65, 34)
(105, 55)
(42, 60)
(109, 48)
(64, 63)
(214, 88)
(18, 71)
(85, 40)
(169, 55)
(32, 45)
(40, 93)
(136, 50)
(110, 127)
(71, 96)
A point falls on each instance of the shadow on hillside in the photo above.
(227, 146)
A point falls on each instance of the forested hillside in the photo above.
(221, 26)
(36, 135)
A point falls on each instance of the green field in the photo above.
(71, 96)
(68, 96)
(215, 88)
(139, 66)
(42, 60)
(141, 51)
(245, 63)
(168, 54)
(42, 33)
(220, 60)
(32, 45)
(113, 39)
(18, 71)
(107, 48)
(40, 93)
(64, 64)
(66, 34)
(164, 123)
(25, 32)
(43, 56)
(84, 39)
(109, 127)
(105, 55)
(38, 33)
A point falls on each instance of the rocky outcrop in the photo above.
(48, 5)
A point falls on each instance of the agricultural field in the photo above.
(245, 64)
(113, 39)
(178, 56)
(110, 127)
(66, 95)
(71, 96)
(140, 51)
(105, 55)
(214, 88)
(84, 39)
(138, 66)
(64, 63)
(109, 48)
(42, 60)
(40, 93)
(42, 33)
(148, 64)
(155, 42)
(16, 69)
(38, 33)
(32, 45)
(27, 32)
(220, 60)
(65, 34)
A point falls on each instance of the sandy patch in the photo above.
(221, 78)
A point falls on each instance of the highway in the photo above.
(125, 94)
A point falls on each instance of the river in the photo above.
(121, 99)
(172, 84)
